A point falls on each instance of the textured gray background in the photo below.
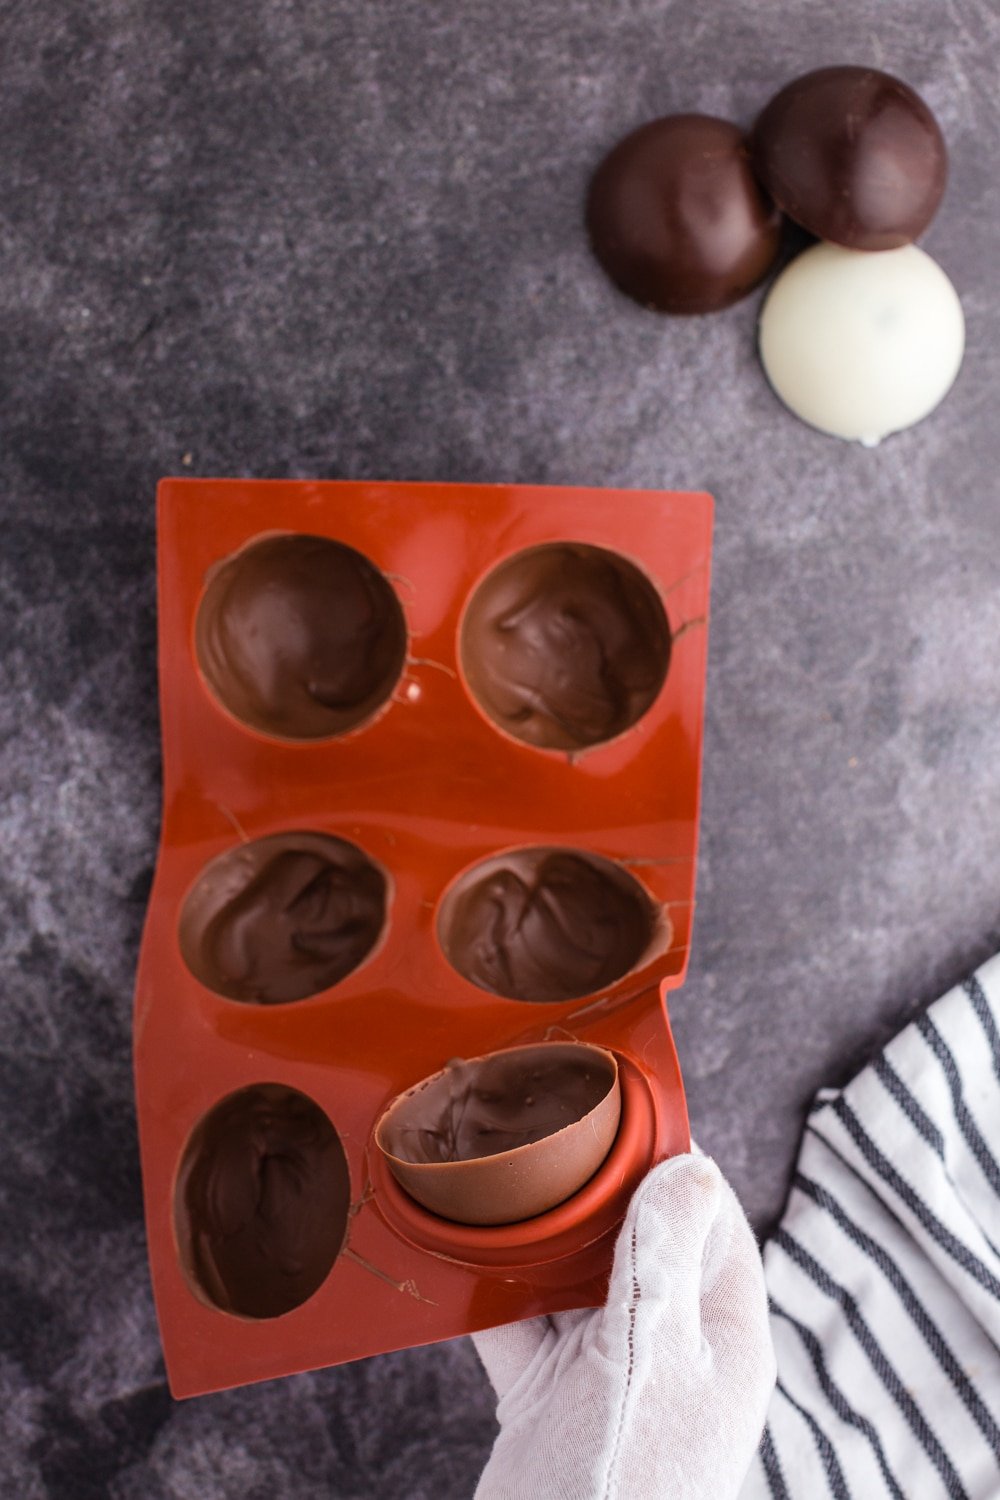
(324, 237)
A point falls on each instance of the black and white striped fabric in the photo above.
(884, 1276)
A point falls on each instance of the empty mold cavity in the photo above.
(546, 924)
(282, 917)
(300, 637)
(565, 646)
(262, 1202)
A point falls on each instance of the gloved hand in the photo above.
(660, 1394)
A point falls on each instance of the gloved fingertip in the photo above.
(687, 1190)
(506, 1352)
(679, 1207)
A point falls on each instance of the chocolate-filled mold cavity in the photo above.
(283, 917)
(262, 1202)
(565, 646)
(501, 1138)
(546, 924)
(300, 637)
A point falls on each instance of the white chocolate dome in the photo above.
(862, 344)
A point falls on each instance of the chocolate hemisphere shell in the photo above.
(677, 219)
(283, 917)
(565, 646)
(546, 925)
(505, 1137)
(262, 1202)
(300, 637)
(853, 155)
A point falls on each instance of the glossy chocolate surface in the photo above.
(546, 924)
(677, 219)
(854, 156)
(282, 917)
(565, 645)
(300, 637)
(497, 1103)
(263, 1200)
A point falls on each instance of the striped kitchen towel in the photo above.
(884, 1275)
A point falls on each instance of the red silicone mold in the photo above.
(427, 788)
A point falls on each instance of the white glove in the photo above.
(659, 1395)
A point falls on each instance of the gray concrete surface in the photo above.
(314, 237)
